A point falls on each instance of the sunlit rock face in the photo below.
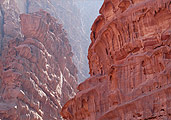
(130, 64)
(36, 70)
(67, 14)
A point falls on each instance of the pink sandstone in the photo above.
(130, 64)
(36, 70)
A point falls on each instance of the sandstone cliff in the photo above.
(67, 14)
(130, 64)
(36, 70)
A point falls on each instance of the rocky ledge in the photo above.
(130, 64)
(36, 70)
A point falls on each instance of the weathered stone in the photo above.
(67, 14)
(36, 70)
(130, 64)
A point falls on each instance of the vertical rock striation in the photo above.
(36, 70)
(130, 64)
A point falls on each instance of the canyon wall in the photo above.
(37, 75)
(130, 64)
(67, 14)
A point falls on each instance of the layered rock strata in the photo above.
(36, 70)
(130, 64)
(67, 14)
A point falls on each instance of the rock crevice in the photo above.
(27, 6)
(2, 28)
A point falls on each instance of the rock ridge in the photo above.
(36, 69)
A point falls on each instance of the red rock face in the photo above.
(67, 14)
(130, 64)
(71, 18)
(36, 70)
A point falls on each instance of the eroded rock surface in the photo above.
(130, 64)
(36, 70)
(67, 14)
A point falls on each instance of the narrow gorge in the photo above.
(47, 71)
